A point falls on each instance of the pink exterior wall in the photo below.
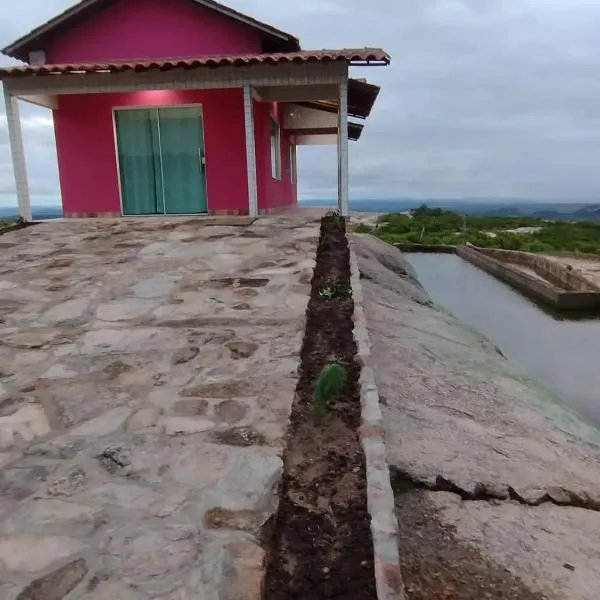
(272, 193)
(87, 156)
(138, 29)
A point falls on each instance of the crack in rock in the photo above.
(403, 482)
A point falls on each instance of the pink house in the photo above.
(181, 107)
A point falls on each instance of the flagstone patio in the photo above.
(147, 370)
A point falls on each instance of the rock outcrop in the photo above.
(494, 457)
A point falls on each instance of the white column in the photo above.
(250, 152)
(343, 149)
(18, 154)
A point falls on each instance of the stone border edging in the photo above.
(380, 497)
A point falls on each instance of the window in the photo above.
(275, 150)
(293, 163)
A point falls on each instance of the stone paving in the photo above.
(147, 371)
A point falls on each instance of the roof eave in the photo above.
(293, 41)
(18, 47)
(348, 56)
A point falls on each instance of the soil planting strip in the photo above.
(322, 547)
(384, 525)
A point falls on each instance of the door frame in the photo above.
(197, 105)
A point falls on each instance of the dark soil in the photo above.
(436, 565)
(322, 546)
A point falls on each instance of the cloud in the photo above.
(483, 98)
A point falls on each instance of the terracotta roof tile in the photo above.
(359, 56)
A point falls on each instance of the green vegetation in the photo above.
(335, 290)
(363, 228)
(9, 222)
(330, 383)
(436, 226)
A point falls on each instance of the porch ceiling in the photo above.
(302, 121)
(354, 132)
(361, 98)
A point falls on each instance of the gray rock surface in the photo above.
(523, 469)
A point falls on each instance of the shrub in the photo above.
(362, 228)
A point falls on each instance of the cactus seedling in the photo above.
(330, 383)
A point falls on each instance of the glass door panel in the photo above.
(182, 153)
(139, 162)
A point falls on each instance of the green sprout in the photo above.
(330, 383)
(334, 290)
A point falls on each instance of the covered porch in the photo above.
(254, 110)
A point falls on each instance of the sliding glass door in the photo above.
(139, 162)
(161, 160)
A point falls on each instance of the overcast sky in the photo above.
(484, 98)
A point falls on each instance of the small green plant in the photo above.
(330, 383)
(334, 290)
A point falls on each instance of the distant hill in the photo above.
(552, 211)
(39, 212)
(590, 212)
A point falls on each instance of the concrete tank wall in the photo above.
(550, 270)
(529, 285)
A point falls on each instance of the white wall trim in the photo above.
(343, 148)
(250, 151)
(177, 79)
(298, 93)
(15, 136)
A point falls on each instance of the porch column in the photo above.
(15, 136)
(343, 149)
(250, 152)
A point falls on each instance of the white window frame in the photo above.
(293, 162)
(275, 142)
